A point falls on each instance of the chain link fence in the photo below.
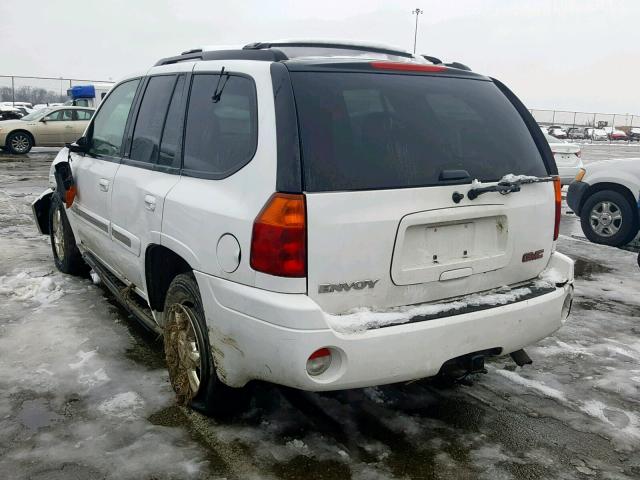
(40, 90)
(567, 119)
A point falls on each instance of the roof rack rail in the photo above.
(193, 50)
(328, 44)
(270, 55)
(437, 61)
(459, 66)
(434, 60)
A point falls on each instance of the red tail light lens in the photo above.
(278, 243)
(557, 187)
(408, 67)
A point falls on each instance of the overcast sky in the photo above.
(563, 54)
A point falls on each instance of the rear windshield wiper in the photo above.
(507, 184)
(217, 94)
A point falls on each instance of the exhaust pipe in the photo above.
(521, 358)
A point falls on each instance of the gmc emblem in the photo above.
(531, 256)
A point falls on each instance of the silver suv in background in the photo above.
(321, 216)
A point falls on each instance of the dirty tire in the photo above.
(617, 204)
(19, 143)
(185, 325)
(66, 255)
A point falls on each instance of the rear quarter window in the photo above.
(220, 137)
(362, 131)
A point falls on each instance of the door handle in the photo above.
(150, 202)
(104, 184)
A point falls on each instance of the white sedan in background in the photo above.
(567, 156)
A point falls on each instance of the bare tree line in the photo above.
(30, 94)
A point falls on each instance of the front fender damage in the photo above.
(40, 209)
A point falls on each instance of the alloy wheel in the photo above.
(183, 352)
(606, 218)
(20, 143)
(58, 234)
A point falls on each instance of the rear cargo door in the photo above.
(384, 157)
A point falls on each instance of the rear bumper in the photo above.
(575, 195)
(249, 345)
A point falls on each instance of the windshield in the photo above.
(372, 131)
(38, 114)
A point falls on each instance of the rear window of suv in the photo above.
(363, 131)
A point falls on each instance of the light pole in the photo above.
(417, 13)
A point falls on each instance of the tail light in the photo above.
(557, 187)
(278, 243)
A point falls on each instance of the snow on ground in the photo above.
(590, 364)
(84, 395)
(72, 401)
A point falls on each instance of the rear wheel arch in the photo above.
(601, 224)
(162, 265)
(19, 130)
(22, 130)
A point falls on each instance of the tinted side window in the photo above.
(220, 137)
(172, 127)
(153, 110)
(83, 115)
(54, 117)
(109, 123)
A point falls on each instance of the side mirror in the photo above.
(79, 146)
(43, 120)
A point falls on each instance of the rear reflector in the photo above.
(319, 361)
(278, 243)
(408, 67)
(557, 187)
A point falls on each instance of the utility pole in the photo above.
(417, 13)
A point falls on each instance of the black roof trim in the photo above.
(362, 48)
(270, 55)
(434, 60)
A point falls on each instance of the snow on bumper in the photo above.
(259, 335)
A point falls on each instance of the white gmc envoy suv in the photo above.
(321, 216)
